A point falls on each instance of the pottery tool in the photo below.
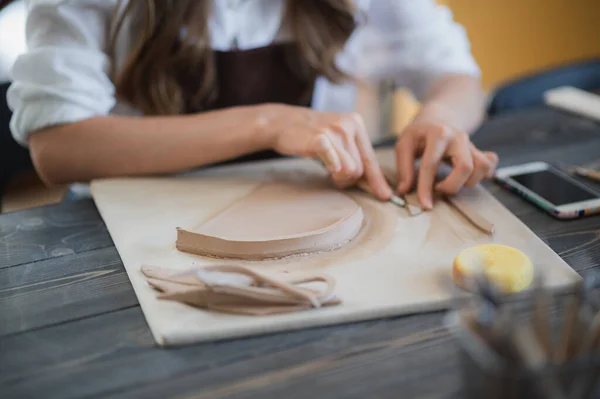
(521, 349)
(541, 322)
(515, 357)
(411, 208)
(491, 314)
(481, 327)
(570, 325)
(471, 215)
(455, 201)
(587, 342)
(479, 339)
(590, 174)
(503, 347)
(577, 316)
(585, 383)
(586, 317)
(142, 214)
(394, 199)
(532, 356)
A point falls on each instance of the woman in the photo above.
(113, 88)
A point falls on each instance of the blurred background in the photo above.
(511, 39)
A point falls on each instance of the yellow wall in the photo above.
(513, 37)
(510, 38)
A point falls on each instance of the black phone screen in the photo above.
(554, 187)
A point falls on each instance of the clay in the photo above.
(467, 211)
(471, 215)
(277, 220)
(240, 290)
(396, 265)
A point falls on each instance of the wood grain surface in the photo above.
(70, 326)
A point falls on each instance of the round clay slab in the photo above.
(277, 220)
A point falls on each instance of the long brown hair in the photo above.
(168, 72)
(5, 3)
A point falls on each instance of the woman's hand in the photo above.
(339, 140)
(435, 143)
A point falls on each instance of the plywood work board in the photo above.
(396, 265)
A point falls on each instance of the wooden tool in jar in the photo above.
(507, 346)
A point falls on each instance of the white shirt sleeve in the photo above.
(64, 75)
(415, 42)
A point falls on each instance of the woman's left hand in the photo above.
(435, 143)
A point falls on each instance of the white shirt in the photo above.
(65, 77)
(12, 37)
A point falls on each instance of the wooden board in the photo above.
(397, 265)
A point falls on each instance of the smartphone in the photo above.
(550, 189)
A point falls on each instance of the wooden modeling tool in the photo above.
(541, 321)
(517, 343)
(511, 348)
(590, 380)
(471, 215)
(590, 174)
(532, 356)
(394, 199)
(456, 202)
(570, 325)
(588, 342)
(480, 339)
(411, 208)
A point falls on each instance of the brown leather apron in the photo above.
(246, 77)
(261, 75)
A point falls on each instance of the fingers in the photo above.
(372, 171)
(349, 128)
(342, 166)
(350, 171)
(405, 163)
(435, 147)
(470, 165)
(349, 164)
(484, 166)
(463, 169)
(493, 158)
(345, 148)
(327, 153)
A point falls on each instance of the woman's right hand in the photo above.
(339, 140)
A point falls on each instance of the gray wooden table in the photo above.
(70, 324)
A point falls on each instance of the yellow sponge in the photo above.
(510, 269)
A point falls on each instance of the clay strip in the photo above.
(474, 217)
(258, 295)
(471, 215)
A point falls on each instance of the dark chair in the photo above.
(13, 157)
(528, 91)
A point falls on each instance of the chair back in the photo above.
(529, 91)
